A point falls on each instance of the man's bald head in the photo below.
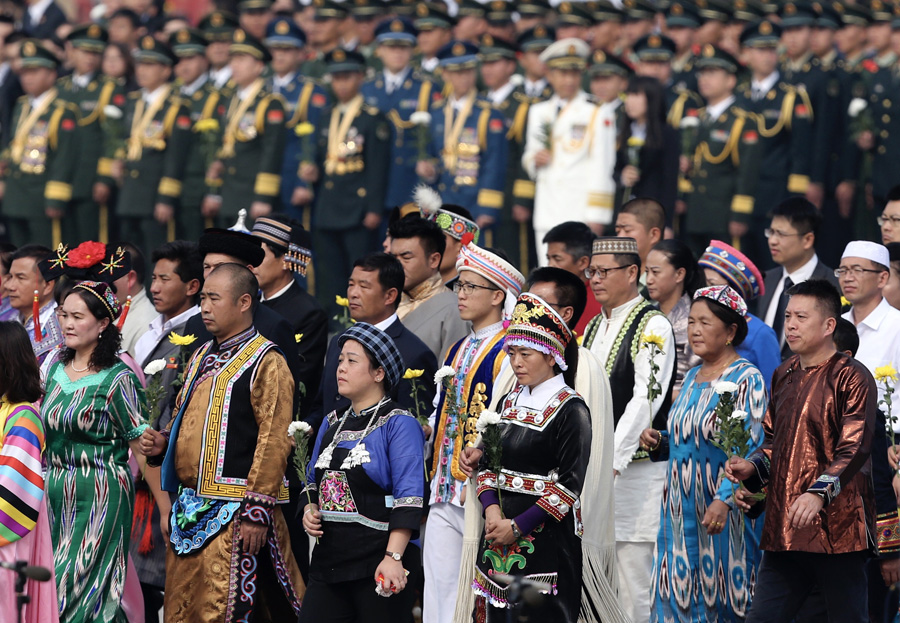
(239, 279)
(227, 300)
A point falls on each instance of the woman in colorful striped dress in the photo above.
(24, 531)
(93, 409)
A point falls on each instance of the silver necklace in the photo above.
(358, 454)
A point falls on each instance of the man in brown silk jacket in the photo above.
(815, 460)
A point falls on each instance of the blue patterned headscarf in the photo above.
(381, 346)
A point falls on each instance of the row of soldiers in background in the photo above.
(241, 135)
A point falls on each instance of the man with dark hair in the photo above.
(373, 294)
(817, 460)
(427, 308)
(287, 248)
(792, 243)
(846, 339)
(7, 311)
(226, 452)
(24, 280)
(176, 281)
(141, 311)
(889, 221)
(125, 27)
(644, 220)
(569, 248)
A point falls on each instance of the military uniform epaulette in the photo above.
(593, 99)
(521, 97)
(372, 110)
(134, 95)
(483, 103)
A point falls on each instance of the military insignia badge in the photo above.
(282, 28)
(396, 26)
(565, 7)
(487, 40)
(677, 9)
(239, 36)
(709, 51)
(422, 10)
(94, 31)
(183, 36)
(654, 41)
(790, 8)
(599, 55)
(339, 56)
(540, 31)
(765, 28)
(217, 20)
(458, 49)
(29, 49)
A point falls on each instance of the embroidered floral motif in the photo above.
(335, 493)
(504, 558)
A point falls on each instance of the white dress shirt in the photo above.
(501, 94)
(220, 77)
(159, 329)
(393, 81)
(189, 89)
(715, 111)
(761, 87)
(150, 97)
(384, 324)
(36, 11)
(279, 293)
(804, 273)
(879, 345)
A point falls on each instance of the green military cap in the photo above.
(880, 11)
(533, 8)
(495, 49)
(536, 39)
(35, 55)
(796, 14)
(748, 11)
(713, 57)
(218, 26)
(683, 14)
(254, 5)
(499, 12)
(606, 11)
(150, 50)
(853, 14)
(471, 8)
(242, 43)
(328, 9)
(637, 10)
(654, 48)
(713, 11)
(603, 64)
(827, 16)
(340, 60)
(573, 14)
(404, 8)
(764, 34)
(366, 8)
(187, 42)
(429, 16)
(89, 37)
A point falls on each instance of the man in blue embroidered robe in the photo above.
(226, 452)
(487, 288)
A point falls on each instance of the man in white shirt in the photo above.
(569, 148)
(792, 243)
(863, 274)
(140, 312)
(615, 336)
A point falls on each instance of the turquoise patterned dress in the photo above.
(696, 576)
(90, 494)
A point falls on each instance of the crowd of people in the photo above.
(451, 312)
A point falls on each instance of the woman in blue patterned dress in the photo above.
(706, 553)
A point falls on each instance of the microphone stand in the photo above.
(21, 597)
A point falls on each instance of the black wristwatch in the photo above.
(394, 555)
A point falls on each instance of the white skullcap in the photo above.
(867, 250)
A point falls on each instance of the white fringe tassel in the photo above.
(465, 596)
(599, 586)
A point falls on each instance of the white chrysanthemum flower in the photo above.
(112, 112)
(689, 122)
(857, 105)
(487, 418)
(420, 117)
(444, 372)
(726, 387)
(299, 427)
(738, 414)
(157, 365)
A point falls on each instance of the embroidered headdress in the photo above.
(496, 270)
(288, 235)
(104, 292)
(614, 245)
(90, 260)
(433, 209)
(723, 295)
(381, 346)
(537, 325)
(735, 267)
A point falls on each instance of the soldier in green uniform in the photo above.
(39, 163)
(435, 28)
(253, 137)
(532, 43)
(654, 55)
(783, 117)
(158, 131)
(350, 174)
(325, 36)
(532, 13)
(87, 217)
(639, 21)
(499, 18)
(207, 107)
(606, 33)
(366, 15)
(682, 22)
(574, 20)
(515, 234)
(254, 16)
(218, 28)
(471, 21)
(608, 77)
(724, 166)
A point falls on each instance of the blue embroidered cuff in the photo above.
(827, 486)
(759, 480)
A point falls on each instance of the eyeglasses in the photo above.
(601, 272)
(469, 288)
(774, 233)
(856, 271)
(883, 220)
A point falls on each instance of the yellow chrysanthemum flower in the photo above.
(182, 340)
(652, 339)
(845, 302)
(634, 141)
(298, 337)
(412, 374)
(206, 125)
(885, 373)
(304, 129)
(342, 301)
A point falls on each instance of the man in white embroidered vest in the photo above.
(487, 288)
(569, 148)
(226, 451)
(615, 336)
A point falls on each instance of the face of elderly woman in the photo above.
(530, 366)
(80, 327)
(706, 333)
(355, 375)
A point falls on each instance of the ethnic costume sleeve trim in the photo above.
(829, 487)
(760, 479)
(405, 452)
(888, 534)
(257, 508)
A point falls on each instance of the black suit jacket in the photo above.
(52, 19)
(306, 317)
(774, 277)
(10, 92)
(270, 325)
(416, 356)
(659, 171)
